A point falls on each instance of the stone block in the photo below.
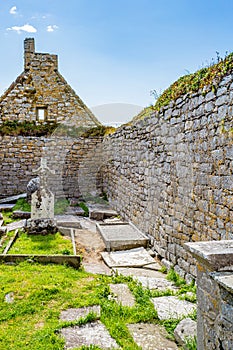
(186, 329)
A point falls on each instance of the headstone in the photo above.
(42, 204)
(43, 199)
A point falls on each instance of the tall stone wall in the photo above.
(171, 173)
(75, 161)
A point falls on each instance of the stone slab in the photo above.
(151, 337)
(13, 199)
(19, 214)
(187, 328)
(160, 284)
(6, 207)
(215, 254)
(121, 236)
(74, 314)
(97, 268)
(123, 294)
(69, 221)
(138, 272)
(16, 225)
(172, 307)
(94, 333)
(155, 266)
(225, 279)
(71, 260)
(129, 258)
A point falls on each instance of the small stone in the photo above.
(187, 328)
(9, 298)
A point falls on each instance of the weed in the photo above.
(84, 208)
(22, 205)
(191, 343)
(174, 277)
(61, 206)
(26, 128)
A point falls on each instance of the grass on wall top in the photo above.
(208, 77)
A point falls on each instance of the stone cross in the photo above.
(42, 204)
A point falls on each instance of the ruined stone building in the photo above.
(41, 93)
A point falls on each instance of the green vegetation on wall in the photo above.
(208, 77)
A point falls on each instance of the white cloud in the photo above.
(51, 28)
(13, 10)
(25, 28)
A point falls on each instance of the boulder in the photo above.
(186, 329)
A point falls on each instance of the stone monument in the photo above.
(42, 203)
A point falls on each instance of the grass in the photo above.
(41, 293)
(205, 79)
(26, 128)
(51, 244)
(22, 205)
(61, 206)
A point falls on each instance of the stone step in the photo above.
(122, 236)
(75, 314)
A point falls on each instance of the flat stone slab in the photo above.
(69, 221)
(138, 272)
(121, 236)
(225, 279)
(74, 314)
(216, 254)
(13, 198)
(123, 294)
(129, 258)
(19, 214)
(172, 307)
(6, 207)
(151, 337)
(16, 225)
(158, 283)
(97, 268)
(155, 266)
(94, 333)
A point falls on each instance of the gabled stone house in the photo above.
(41, 94)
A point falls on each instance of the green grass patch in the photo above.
(61, 206)
(50, 244)
(22, 205)
(84, 208)
(26, 128)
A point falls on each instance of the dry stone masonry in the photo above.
(171, 173)
(41, 94)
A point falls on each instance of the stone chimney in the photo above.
(29, 49)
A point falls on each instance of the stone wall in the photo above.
(171, 173)
(214, 294)
(74, 162)
(41, 94)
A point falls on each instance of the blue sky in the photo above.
(116, 51)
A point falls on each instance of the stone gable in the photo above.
(41, 94)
